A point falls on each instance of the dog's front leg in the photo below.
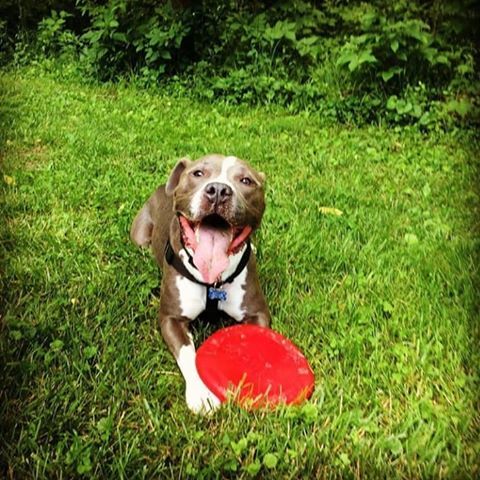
(179, 340)
(262, 319)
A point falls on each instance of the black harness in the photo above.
(214, 290)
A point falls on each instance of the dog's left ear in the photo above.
(174, 178)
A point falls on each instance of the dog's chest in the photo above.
(193, 297)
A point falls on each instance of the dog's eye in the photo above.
(197, 173)
(246, 181)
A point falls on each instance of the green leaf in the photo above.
(390, 73)
(416, 111)
(465, 68)
(306, 46)
(404, 106)
(270, 460)
(281, 30)
(85, 464)
(120, 37)
(366, 57)
(104, 427)
(309, 40)
(442, 59)
(387, 307)
(90, 351)
(394, 46)
(240, 446)
(16, 335)
(56, 345)
(231, 465)
(253, 468)
(392, 102)
(426, 190)
(394, 445)
(410, 239)
(431, 54)
(166, 55)
(425, 119)
(9, 180)
(353, 65)
(290, 35)
(309, 412)
(345, 58)
(92, 36)
(461, 107)
(191, 470)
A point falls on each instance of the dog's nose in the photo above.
(218, 192)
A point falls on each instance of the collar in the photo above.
(175, 261)
(214, 293)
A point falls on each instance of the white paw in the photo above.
(200, 399)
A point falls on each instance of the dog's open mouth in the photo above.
(212, 240)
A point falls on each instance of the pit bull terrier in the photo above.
(198, 226)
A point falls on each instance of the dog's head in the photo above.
(219, 202)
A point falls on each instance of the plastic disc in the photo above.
(258, 365)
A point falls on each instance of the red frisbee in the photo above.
(259, 366)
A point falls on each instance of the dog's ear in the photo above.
(142, 227)
(174, 178)
(262, 176)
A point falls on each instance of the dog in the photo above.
(199, 226)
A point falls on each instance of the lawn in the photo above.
(368, 254)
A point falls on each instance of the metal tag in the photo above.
(217, 294)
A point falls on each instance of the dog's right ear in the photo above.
(174, 178)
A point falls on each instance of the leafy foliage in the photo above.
(392, 48)
(54, 37)
(127, 35)
(407, 62)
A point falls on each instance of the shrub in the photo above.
(394, 54)
(54, 38)
(126, 35)
(406, 61)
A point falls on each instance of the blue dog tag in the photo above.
(217, 294)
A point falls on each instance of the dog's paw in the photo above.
(200, 399)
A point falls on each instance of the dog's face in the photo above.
(219, 201)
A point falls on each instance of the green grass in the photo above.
(383, 299)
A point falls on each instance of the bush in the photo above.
(54, 38)
(126, 35)
(394, 54)
(407, 62)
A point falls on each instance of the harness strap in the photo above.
(174, 261)
(211, 306)
(213, 296)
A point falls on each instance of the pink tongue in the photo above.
(211, 256)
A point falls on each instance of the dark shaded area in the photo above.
(8, 111)
(14, 369)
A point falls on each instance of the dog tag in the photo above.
(217, 294)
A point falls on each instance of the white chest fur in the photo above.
(235, 292)
(192, 297)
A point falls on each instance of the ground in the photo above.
(368, 256)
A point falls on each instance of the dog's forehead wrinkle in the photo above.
(221, 165)
(222, 170)
(199, 165)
